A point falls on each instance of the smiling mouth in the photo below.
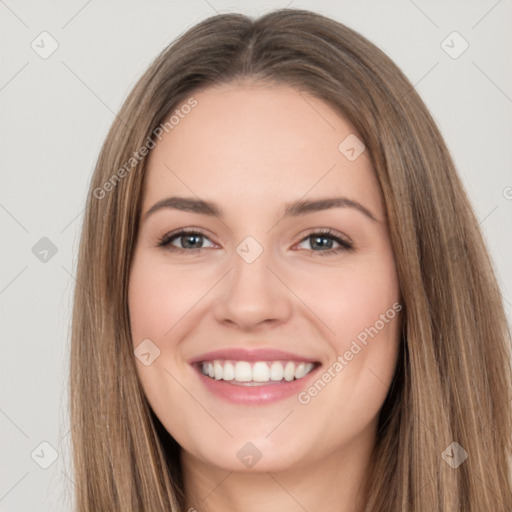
(258, 373)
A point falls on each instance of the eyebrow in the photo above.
(294, 209)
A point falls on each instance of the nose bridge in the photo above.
(252, 294)
(251, 262)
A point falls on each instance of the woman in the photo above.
(219, 362)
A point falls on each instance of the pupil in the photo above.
(328, 241)
(191, 237)
(320, 241)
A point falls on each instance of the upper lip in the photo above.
(243, 354)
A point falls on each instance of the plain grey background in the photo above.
(56, 111)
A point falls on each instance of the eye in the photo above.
(324, 240)
(192, 241)
(189, 240)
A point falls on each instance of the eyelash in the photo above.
(345, 245)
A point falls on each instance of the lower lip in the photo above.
(255, 395)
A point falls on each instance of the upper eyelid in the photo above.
(186, 231)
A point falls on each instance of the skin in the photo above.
(251, 148)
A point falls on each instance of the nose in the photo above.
(252, 295)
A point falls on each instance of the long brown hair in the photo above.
(453, 377)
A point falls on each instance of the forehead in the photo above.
(254, 144)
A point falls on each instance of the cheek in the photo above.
(353, 299)
(159, 297)
(159, 300)
(365, 307)
(360, 305)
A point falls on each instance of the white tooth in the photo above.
(260, 372)
(276, 371)
(217, 368)
(300, 370)
(229, 371)
(289, 371)
(243, 372)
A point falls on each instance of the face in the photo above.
(287, 302)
